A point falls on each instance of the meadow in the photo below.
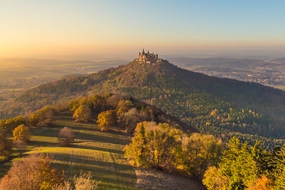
(93, 150)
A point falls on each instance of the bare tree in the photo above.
(65, 136)
(85, 181)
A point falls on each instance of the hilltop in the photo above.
(219, 106)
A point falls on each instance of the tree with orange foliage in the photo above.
(32, 173)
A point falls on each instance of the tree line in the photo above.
(219, 165)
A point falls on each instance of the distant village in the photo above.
(266, 76)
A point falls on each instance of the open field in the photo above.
(282, 87)
(93, 150)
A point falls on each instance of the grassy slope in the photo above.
(95, 151)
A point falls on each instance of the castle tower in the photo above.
(148, 58)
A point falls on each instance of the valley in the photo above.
(266, 72)
(18, 75)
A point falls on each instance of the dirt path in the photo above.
(152, 179)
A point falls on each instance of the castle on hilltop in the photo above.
(147, 57)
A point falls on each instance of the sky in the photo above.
(42, 28)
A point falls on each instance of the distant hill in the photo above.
(266, 72)
(213, 105)
(282, 59)
(19, 75)
(211, 62)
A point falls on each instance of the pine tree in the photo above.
(238, 165)
(280, 181)
(136, 151)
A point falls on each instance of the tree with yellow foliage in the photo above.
(82, 113)
(32, 173)
(22, 133)
(106, 119)
(213, 179)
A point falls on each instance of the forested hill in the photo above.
(222, 107)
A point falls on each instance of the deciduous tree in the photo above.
(200, 152)
(213, 179)
(153, 146)
(82, 113)
(106, 119)
(262, 183)
(22, 133)
(66, 136)
(129, 119)
(84, 181)
(5, 146)
(32, 173)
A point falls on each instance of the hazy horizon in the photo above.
(74, 29)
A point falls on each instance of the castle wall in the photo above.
(147, 57)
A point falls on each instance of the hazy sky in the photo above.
(77, 27)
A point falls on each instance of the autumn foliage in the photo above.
(32, 173)
(22, 133)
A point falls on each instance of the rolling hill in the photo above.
(213, 105)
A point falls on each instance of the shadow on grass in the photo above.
(4, 167)
(103, 170)
(101, 138)
(66, 115)
(88, 162)
(78, 145)
(37, 143)
(51, 131)
(75, 125)
(106, 163)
